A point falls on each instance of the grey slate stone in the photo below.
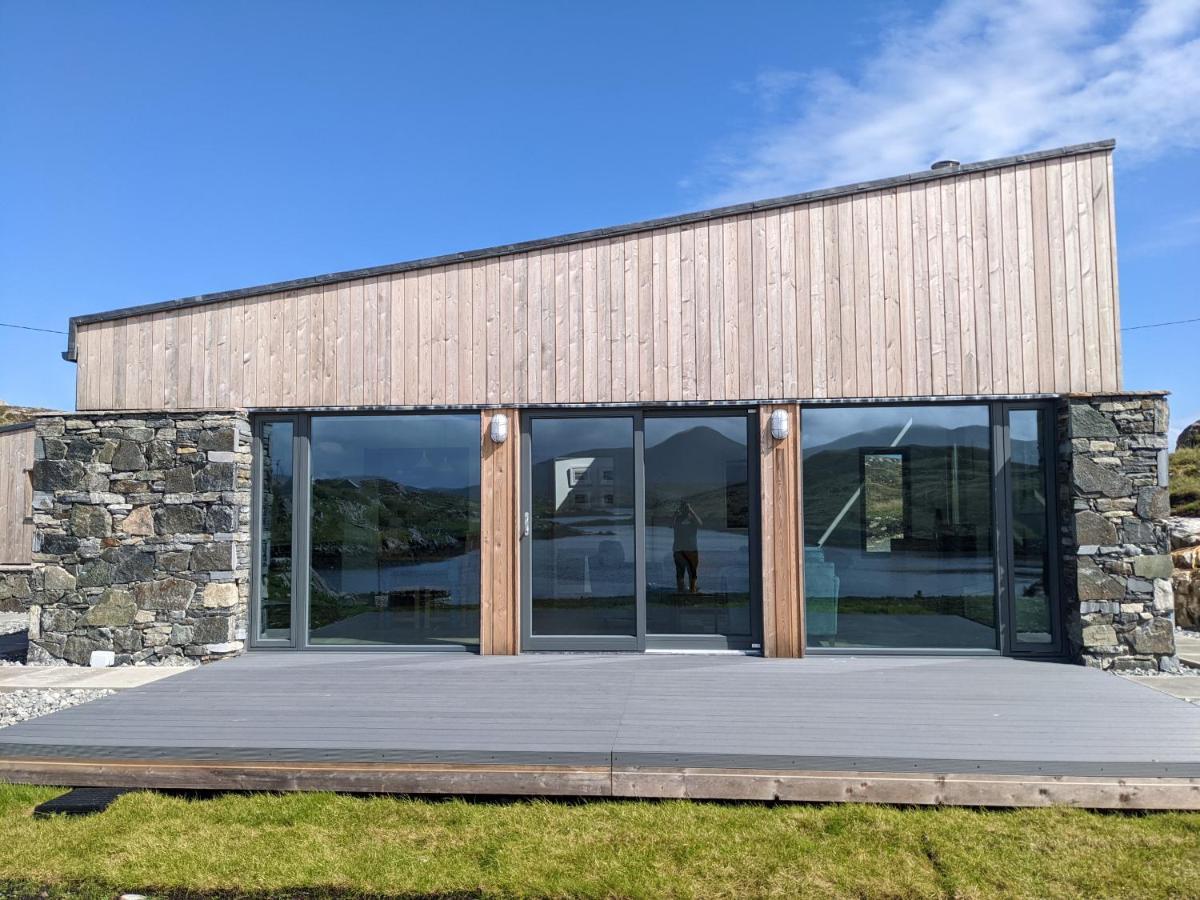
(212, 557)
(179, 480)
(182, 519)
(116, 608)
(1091, 528)
(212, 630)
(97, 573)
(168, 594)
(1096, 584)
(223, 438)
(90, 521)
(78, 648)
(128, 458)
(58, 474)
(1087, 422)
(1091, 478)
(217, 476)
(1157, 566)
(1153, 503)
(130, 564)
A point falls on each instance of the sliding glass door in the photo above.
(367, 531)
(930, 528)
(639, 532)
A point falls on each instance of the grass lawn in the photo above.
(301, 845)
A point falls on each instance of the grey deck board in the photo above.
(838, 713)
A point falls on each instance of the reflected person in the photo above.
(686, 525)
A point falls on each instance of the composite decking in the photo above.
(982, 731)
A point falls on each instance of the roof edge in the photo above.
(578, 236)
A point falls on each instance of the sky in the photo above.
(152, 150)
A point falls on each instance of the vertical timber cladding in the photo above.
(499, 537)
(997, 278)
(782, 574)
(16, 495)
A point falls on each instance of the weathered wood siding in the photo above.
(781, 511)
(499, 542)
(16, 496)
(999, 281)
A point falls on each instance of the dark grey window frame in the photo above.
(641, 641)
(302, 533)
(1002, 483)
(1006, 644)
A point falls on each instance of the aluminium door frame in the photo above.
(1004, 551)
(641, 641)
(302, 533)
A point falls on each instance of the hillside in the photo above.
(11, 415)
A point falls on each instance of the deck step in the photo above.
(80, 801)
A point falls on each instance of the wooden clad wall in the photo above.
(1000, 281)
(499, 543)
(16, 496)
(782, 549)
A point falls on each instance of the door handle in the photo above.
(525, 524)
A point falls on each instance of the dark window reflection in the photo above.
(582, 537)
(897, 527)
(275, 534)
(395, 530)
(697, 518)
(1031, 545)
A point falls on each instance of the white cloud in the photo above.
(977, 79)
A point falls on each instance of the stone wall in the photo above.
(142, 537)
(1185, 555)
(16, 588)
(1117, 565)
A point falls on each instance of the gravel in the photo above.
(17, 706)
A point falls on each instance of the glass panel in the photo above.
(1030, 536)
(582, 529)
(697, 526)
(275, 533)
(395, 530)
(913, 480)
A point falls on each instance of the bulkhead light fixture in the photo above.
(780, 424)
(499, 429)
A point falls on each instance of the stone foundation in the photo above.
(142, 537)
(1117, 564)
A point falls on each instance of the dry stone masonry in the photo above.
(1117, 563)
(142, 538)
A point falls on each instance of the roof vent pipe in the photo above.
(945, 164)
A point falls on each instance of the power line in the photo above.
(1160, 324)
(1126, 328)
(31, 328)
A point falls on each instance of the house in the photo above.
(880, 418)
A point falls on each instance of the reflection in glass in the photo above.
(1030, 537)
(395, 530)
(897, 527)
(275, 533)
(883, 500)
(582, 529)
(697, 526)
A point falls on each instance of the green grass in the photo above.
(1185, 482)
(328, 845)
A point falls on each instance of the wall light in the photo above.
(499, 429)
(780, 424)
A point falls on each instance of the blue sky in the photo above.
(155, 150)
